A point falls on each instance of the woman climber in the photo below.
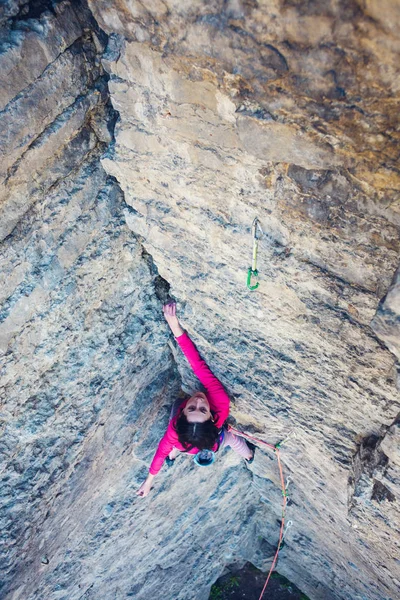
(196, 424)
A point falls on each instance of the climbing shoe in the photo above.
(252, 447)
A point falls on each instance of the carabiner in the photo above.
(251, 273)
(288, 526)
(256, 225)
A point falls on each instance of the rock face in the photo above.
(80, 311)
(284, 110)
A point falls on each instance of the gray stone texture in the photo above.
(284, 110)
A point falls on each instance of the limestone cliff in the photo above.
(139, 141)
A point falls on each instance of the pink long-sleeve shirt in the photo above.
(216, 396)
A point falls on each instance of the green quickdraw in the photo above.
(291, 433)
(252, 271)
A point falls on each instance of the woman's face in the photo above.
(197, 409)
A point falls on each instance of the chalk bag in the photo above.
(204, 458)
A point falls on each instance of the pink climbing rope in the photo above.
(284, 495)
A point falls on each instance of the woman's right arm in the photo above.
(215, 390)
(199, 366)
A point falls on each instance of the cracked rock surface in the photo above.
(139, 143)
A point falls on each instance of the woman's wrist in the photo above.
(177, 330)
(175, 327)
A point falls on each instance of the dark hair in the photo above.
(196, 435)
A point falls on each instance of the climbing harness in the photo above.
(283, 530)
(204, 458)
(252, 272)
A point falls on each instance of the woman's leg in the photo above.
(238, 444)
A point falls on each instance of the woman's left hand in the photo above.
(145, 487)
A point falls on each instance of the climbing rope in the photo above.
(252, 271)
(283, 530)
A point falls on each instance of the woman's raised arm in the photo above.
(218, 398)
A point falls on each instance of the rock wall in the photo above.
(80, 333)
(283, 110)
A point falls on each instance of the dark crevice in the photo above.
(369, 467)
(33, 9)
(238, 582)
(161, 285)
(380, 493)
(16, 17)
